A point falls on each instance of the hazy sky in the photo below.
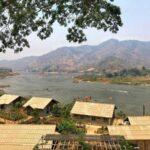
(135, 17)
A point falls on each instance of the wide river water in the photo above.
(130, 99)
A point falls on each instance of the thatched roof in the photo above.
(93, 109)
(38, 102)
(139, 120)
(7, 99)
(131, 132)
(23, 137)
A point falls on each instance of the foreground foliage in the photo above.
(18, 19)
(69, 127)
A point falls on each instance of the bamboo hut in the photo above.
(8, 101)
(42, 105)
(93, 113)
(137, 134)
(139, 120)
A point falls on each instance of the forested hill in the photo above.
(111, 54)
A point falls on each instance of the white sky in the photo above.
(136, 19)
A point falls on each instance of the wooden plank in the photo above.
(85, 138)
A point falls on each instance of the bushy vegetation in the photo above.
(36, 117)
(132, 76)
(120, 114)
(88, 77)
(85, 146)
(20, 103)
(126, 145)
(68, 126)
(56, 110)
(62, 111)
(134, 72)
(13, 115)
(141, 80)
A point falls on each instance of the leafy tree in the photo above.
(57, 110)
(65, 112)
(62, 111)
(36, 117)
(20, 103)
(120, 114)
(19, 18)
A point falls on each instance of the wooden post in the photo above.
(42, 142)
(143, 110)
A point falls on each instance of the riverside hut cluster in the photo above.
(42, 105)
(92, 115)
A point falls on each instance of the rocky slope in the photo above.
(112, 54)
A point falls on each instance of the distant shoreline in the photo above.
(142, 80)
(7, 74)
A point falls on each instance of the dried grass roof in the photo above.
(23, 137)
(7, 99)
(131, 132)
(139, 120)
(93, 109)
(38, 102)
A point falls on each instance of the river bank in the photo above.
(142, 80)
(129, 98)
(8, 74)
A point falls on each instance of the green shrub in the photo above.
(62, 111)
(65, 112)
(36, 117)
(18, 104)
(69, 127)
(85, 146)
(125, 145)
(56, 110)
(13, 115)
(120, 114)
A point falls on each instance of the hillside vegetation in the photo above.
(112, 55)
(132, 76)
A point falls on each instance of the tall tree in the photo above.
(19, 18)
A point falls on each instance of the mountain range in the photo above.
(112, 55)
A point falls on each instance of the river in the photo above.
(128, 98)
